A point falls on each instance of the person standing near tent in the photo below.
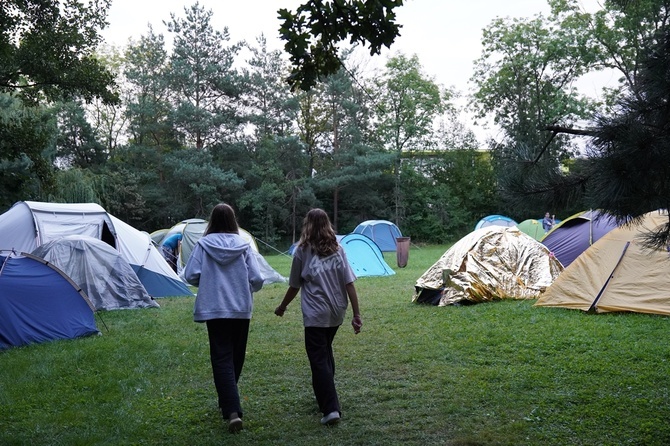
(321, 270)
(224, 268)
(171, 249)
(548, 222)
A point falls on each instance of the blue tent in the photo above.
(39, 303)
(364, 256)
(495, 220)
(382, 232)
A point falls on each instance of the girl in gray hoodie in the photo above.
(226, 273)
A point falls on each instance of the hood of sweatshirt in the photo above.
(222, 247)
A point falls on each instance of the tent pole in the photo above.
(602, 290)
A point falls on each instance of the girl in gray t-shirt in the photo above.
(321, 272)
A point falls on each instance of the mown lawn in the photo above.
(502, 373)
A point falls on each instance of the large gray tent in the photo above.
(99, 270)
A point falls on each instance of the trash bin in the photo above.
(402, 250)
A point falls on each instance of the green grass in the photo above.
(502, 373)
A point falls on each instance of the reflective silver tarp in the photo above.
(490, 263)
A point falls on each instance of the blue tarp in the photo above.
(39, 303)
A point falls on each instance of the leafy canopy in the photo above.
(47, 50)
(314, 30)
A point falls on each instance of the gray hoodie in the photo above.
(226, 273)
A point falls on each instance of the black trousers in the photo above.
(227, 350)
(319, 347)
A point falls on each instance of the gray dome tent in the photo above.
(105, 276)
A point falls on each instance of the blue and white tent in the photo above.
(364, 256)
(382, 232)
(29, 224)
(495, 220)
(40, 303)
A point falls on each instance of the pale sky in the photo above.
(445, 34)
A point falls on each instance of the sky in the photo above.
(444, 34)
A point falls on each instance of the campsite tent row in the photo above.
(612, 269)
(29, 224)
(194, 228)
(364, 254)
(56, 256)
(366, 245)
(617, 273)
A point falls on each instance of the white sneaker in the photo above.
(331, 418)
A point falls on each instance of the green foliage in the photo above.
(446, 192)
(407, 104)
(617, 35)
(626, 167)
(630, 167)
(25, 134)
(502, 373)
(148, 107)
(76, 144)
(313, 32)
(272, 107)
(177, 146)
(74, 186)
(201, 71)
(525, 76)
(197, 184)
(47, 50)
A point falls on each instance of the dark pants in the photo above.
(227, 349)
(319, 347)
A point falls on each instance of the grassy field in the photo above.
(502, 373)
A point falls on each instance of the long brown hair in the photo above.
(222, 220)
(318, 233)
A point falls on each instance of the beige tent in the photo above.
(616, 274)
(494, 262)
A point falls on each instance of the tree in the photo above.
(313, 32)
(628, 158)
(349, 160)
(408, 104)
(525, 79)
(275, 160)
(148, 107)
(109, 121)
(47, 50)
(76, 145)
(269, 104)
(26, 133)
(47, 53)
(617, 35)
(630, 154)
(202, 78)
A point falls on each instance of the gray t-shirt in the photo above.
(322, 282)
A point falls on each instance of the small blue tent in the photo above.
(39, 303)
(364, 256)
(382, 232)
(495, 220)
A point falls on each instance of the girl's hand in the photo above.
(357, 323)
(279, 311)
